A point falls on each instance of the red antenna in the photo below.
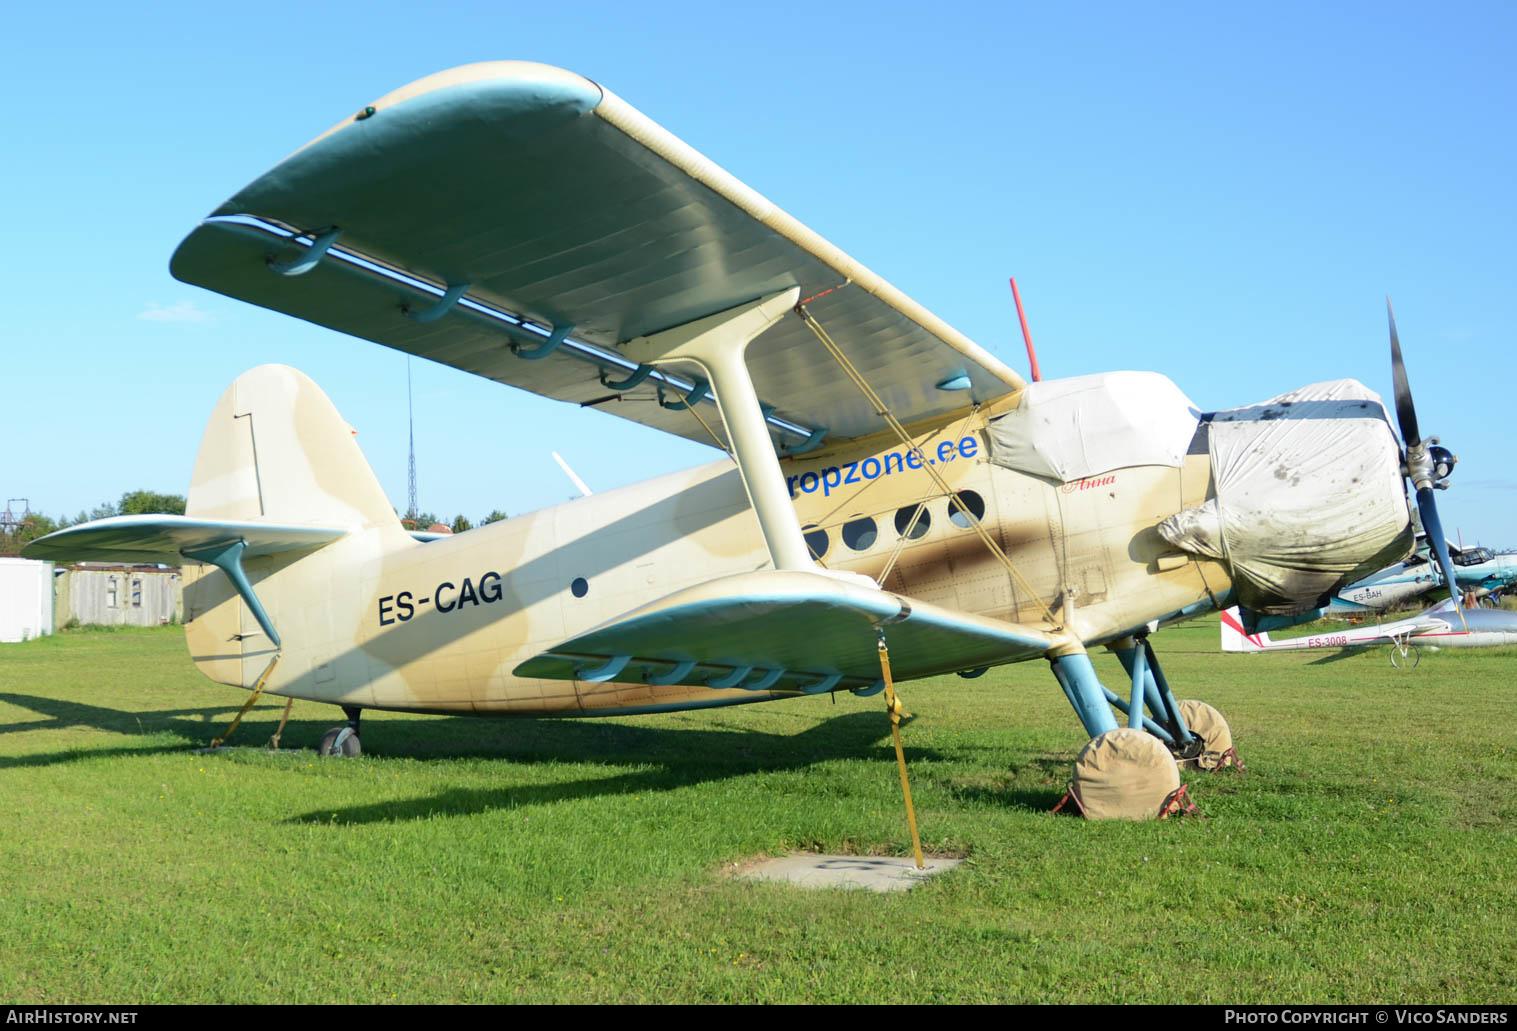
(1032, 356)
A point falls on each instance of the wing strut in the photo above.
(716, 343)
(228, 558)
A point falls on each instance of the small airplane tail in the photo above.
(282, 516)
(276, 449)
(1236, 639)
(277, 452)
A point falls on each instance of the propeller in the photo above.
(1425, 463)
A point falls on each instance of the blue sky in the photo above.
(1222, 193)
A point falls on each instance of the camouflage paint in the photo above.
(378, 620)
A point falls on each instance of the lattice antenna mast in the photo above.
(9, 521)
(411, 426)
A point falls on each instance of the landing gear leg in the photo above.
(1195, 732)
(343, 741)
(1165, 721)
(1404, 654)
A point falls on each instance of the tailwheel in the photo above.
(1206, 723)
(340, 741)
(1405, 655)
(343, 741)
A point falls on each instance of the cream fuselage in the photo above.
(377, 620)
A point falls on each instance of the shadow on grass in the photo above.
(1032, 800)
(665, 760)
(196, 726)
(678, 755)
(1005, 792)
(1339, 656)
(69, 755)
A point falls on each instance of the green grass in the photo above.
(1365, 856)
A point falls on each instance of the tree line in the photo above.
(460, 523)
(134, 502)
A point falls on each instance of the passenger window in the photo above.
(903, 524)
(817, 541)
(973, 502)
(860, 534)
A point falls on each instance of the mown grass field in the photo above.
(1367, 855)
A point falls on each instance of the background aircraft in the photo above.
(1480, 573)
(889, 483)
(1442, 626)
(1396, 585)
(1484, 572)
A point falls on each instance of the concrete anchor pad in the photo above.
(875, 873)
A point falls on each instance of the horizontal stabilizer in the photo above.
(784, 630)
(164, 539)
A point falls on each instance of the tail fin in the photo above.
(276, 449)
(276, 455)
(1236, 639)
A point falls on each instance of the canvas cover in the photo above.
(1068, 429)
(1308, 485)
(1124, 774)
(1209, 725)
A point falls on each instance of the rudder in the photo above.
(1235, 638)
(276, 448)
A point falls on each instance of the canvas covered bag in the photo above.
(1124, 774)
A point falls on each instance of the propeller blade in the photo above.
(1421, 464)
(1406, 412)
(1428, 507)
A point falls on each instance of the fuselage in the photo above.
(1387, 589)
(378, 620)
(1473, 628)
(1476, 570)
(1112, 505)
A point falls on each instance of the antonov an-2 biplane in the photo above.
(888, 480)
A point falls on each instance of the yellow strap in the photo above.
(274, 741)
(252, 699)
(894, 707)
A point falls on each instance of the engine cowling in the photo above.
(1308, 497)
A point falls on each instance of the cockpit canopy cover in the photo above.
(1068, 429)
(1308, 487)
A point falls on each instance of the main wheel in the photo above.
(1405, 659)
(340, 741)
(1216, 737)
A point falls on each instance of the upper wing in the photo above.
(498, 193)
(784, 630)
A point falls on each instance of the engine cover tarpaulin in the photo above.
(1309, 496)
(1067, 429)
